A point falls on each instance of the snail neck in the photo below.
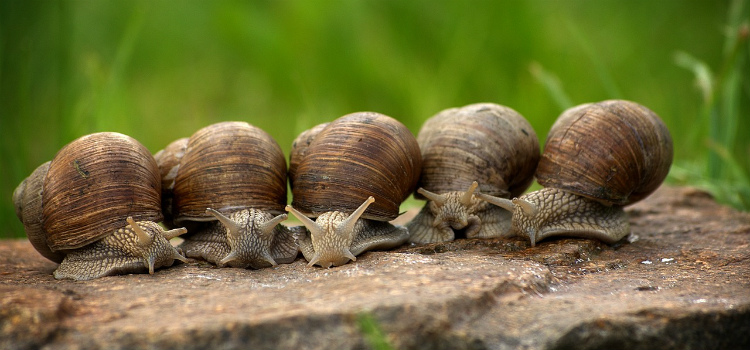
(331, 245)
(250, 235)
(453, 216)
(554, 212)
(332, 235)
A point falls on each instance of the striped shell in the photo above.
(483, 142)
(228, 166)
(616, 152)
(299, 148)
(354, 157)
(87, 190)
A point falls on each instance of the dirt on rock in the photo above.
(681, 280)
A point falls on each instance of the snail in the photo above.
(352, 176)
(93, 209)
(228, 183)
(598, 158)
(481, 147)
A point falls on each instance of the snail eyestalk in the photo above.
(528, 208)
(232, 228)
(175, 233)
(504, 203)
(266, 228)
(437, 198)
(144, 240)
(466, 198)
(346, 228)
(313, 227)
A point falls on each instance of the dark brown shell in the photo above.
(93, 184)
(356, 156)
(299, 148)
(483, 142)
(227, 166)
(616, 152)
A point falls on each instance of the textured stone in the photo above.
(681, 281)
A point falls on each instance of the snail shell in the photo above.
(352, 177)
(168, 161)
(74, 209)
(614, 152)
(485, 147)
(232, 174)
(598, 157)
(299, 148)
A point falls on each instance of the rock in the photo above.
(680, 281)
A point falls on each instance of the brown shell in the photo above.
(617, 152)
(27, 199)
(229, 165)
(93, 184)
(483, 142)
(168, 161)
(299, 148)
(356, 156)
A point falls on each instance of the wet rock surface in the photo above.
(680, 281)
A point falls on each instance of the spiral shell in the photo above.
(229, 166)
(615, 152)
(93, 183)
(80, 209)
(28, 202)
(299, 148)
(357, 156)
(483, 142)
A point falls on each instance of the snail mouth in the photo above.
(465, 229)
(459, 232)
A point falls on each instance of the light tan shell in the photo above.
(357, 156)
(227, 166)
(483, 142)
(86, 192)
(616, 152)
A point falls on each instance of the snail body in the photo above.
(93, 208)
(351, 176)
(479, 148)
(228, 181)
(598, 158)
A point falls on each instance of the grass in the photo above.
(373, 334)
(726, 169)
(159, 70)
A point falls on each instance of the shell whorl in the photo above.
(27, 199)
(616, 152)
(357, 156)
(299, 148)
(484, 142)
(229, 166)
(93, 184)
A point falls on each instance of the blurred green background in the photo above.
(160, 70)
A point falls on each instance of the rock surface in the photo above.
(681, 281)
